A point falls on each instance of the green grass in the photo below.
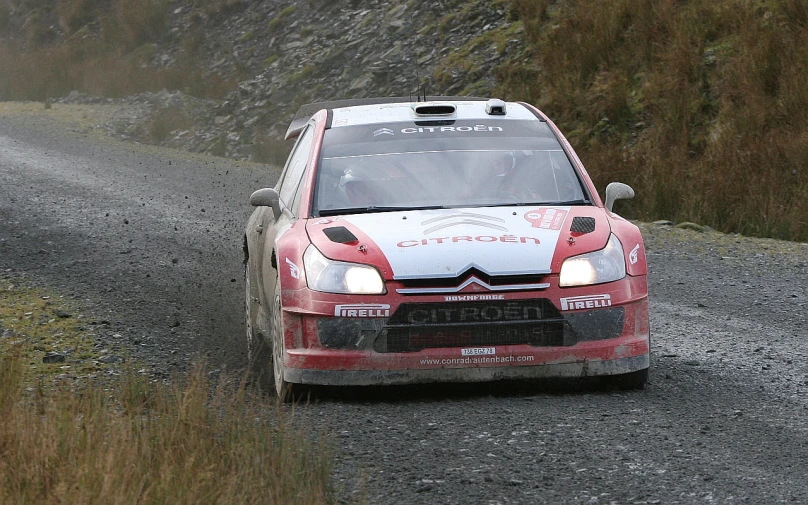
(31, 326)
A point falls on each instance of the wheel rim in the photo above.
(277, 345)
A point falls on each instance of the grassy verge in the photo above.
(48, 335)
(130, 440)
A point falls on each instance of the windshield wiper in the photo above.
(375, 208)
(566, 203)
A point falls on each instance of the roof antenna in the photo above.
(417, 81)
(418, 86)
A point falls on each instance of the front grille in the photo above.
(491, 280)
(416, 326)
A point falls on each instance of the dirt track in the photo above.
(152, 239)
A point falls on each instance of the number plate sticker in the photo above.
(478, 351)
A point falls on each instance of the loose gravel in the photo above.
(152, 239)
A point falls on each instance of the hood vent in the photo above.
(340, 234)
(582, 225)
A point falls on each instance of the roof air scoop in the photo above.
(495, 107)
(433, 109)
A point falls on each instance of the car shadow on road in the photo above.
(439, 392)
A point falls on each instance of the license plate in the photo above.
(478, 351)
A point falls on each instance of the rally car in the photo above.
(449, 239)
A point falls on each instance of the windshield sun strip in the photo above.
(436, 152)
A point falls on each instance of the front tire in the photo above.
(282, 388)
(258, 352)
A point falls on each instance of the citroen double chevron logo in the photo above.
(461, 218)
(383, 131)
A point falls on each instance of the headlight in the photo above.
(323, 274)
(597, 267)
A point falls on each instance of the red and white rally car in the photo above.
(456, 239)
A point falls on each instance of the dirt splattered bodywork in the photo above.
(453, 240)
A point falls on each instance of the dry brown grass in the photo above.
(701, 105)
(55, 72)
(106, 51)
(142, 442)
(271, 150)
(167, 120)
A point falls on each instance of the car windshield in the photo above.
(418, 165)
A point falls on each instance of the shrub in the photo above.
(167, 120)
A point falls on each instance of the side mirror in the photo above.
(617, 191)
(267, 197)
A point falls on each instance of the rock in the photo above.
(61, 314)
(53, 357)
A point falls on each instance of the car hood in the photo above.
(446, 243)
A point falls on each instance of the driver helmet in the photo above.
(356, 182)
(504, 162)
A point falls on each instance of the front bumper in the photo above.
(601, 342)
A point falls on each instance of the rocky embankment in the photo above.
(311, 51)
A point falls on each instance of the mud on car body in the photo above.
(454, 239)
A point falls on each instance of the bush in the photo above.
(167, 120)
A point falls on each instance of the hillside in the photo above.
(699, 105)
(259, 60)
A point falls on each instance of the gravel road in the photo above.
(152, 240)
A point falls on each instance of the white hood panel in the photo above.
(445, 243)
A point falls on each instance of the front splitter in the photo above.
(587, 368)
